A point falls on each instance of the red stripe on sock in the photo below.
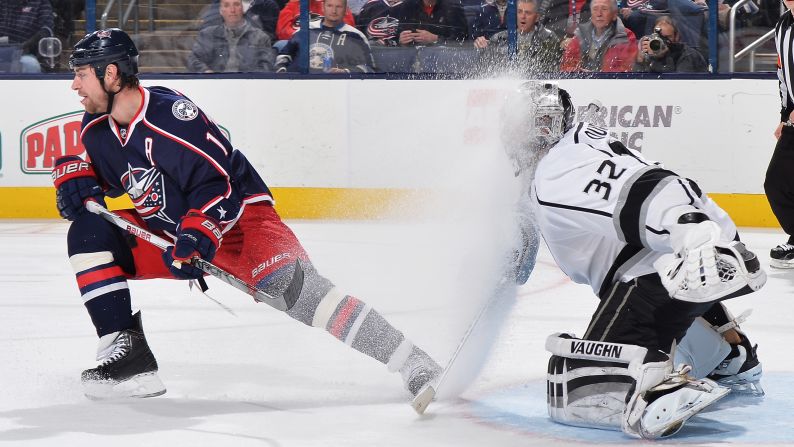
(84, 279)
(343, 317)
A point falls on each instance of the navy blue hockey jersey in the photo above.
(171, 158)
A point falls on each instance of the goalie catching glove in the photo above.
(704, 268)
(198, 236)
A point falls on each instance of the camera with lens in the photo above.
(656, 42)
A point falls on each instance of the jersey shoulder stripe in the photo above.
(637, 195)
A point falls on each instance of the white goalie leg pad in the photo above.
(703, 348)
(711, 272)
(588, 381)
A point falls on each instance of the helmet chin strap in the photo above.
(111, 95)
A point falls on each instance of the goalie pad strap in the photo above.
(734, 323)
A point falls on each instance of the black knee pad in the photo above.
(304, 286)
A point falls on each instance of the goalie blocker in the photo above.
(622, 387)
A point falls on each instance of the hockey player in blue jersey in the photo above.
(660, 255)
(189, 185)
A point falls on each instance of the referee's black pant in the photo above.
(779, 182)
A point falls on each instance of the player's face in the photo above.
(789, 4)
(93, 97)
(334, 11)
(602, 14)
(232, 12)
(527, 17)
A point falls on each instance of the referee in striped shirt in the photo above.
(779, 182)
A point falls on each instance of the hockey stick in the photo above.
(279, 303)
(426, 395)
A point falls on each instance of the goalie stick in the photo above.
(279, 303)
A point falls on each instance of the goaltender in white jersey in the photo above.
(659, 254)
(602, 206)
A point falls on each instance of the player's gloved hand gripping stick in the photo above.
(279, 303)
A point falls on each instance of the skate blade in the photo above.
(139, 386)
(423, 399)
(660, 427)
(782, 263)
(748, 389)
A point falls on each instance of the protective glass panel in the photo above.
(461, 37)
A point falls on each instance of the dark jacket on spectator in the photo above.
(212, 51)
(342, 47)
(447, 20)
(262, 13)
(371, 10)
(538, 51)
(488, 22)
(25, 22)
(681, 58)
(554, 14)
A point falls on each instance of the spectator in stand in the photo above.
(263, 14)
(490, 19)
(689, 15)
(22, 24)
(233, 46)
(538, 47)
(664, 52)
(428, 22)
(375, 9)
(563, 16)
(335, 46)
(602, 44)
(289, 18)
(65, 13)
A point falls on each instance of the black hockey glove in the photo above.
(198, 235)
(75, 182)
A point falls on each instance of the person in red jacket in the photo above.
(602, 44)
(288, 18)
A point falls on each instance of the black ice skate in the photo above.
(740, 371)
(128, 367)
(782, 256)
(418, 373)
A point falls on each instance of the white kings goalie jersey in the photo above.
(605, 212)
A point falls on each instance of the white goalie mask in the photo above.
(533, 119)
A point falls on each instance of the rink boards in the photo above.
(353, 148)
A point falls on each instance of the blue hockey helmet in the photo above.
(104, 47)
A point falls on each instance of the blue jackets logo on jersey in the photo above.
(184, 110)
(145, 188)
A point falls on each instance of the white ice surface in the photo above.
(261, 378)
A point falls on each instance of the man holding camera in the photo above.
(663, 51)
